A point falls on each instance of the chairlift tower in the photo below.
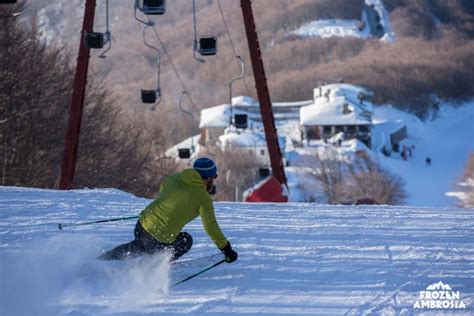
(71, 143)
(276, 158)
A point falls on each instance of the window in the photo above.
(363, 128)
(327, 130)
(339, 128)
(262, 152)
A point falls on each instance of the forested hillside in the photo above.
(431, 58)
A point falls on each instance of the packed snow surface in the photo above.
(299, 259)
(349, 28)
(330, 28)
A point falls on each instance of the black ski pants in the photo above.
(144, 243)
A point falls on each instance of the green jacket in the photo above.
(181, 199)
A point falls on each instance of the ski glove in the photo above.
(230, 255)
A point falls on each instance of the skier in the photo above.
(428, 161)
(182, 197)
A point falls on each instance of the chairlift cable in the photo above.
(174, 68)
(231, 42)
(137, 7)
(195, 44)
(157, 51)
(157, 91)
(108, 36)
(188, 113)
(241, 76)
(194, 23)
(107, 16)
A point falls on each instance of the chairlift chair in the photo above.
(184, 153)
(153, 7)
(207, 45)
(263, 172)
(241, 121)
(95, 40)
(150, 96)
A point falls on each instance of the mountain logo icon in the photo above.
(439, 286)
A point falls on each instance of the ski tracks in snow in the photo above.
(300, 259)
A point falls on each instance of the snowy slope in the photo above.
(299, 259)
(446, 140)
(330, 28)
(349, 28)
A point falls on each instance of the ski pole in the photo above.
(199, 273)
(61, 226)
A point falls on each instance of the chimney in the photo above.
(345, 108)
(361, 98)
(328, 92)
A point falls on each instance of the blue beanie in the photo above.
(206, 167)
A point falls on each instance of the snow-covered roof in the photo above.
(330, 102)
(328, 112)
(219, 116)
(190, 142)
(246, 138)
(292, 104)
(354, 145)
(246, 101)
(390, 127)
(323, 112)
(243, 100)
(350, 91)
(216, 116)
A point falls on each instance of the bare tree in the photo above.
(329, 172)
(467, 184)
(237, 172)
(369, 181)
(35, 91)
(347, 180)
